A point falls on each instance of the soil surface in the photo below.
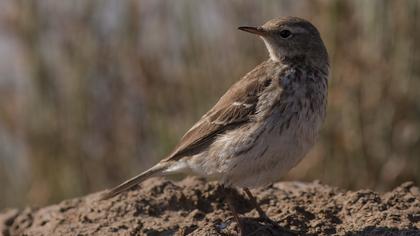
(195, 207)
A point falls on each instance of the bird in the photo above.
(265, 123)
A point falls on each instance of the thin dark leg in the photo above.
(262, 214)
(260, 211)
(230, 200)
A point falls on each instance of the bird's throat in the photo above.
(271, 50)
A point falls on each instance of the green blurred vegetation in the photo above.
(92, 92)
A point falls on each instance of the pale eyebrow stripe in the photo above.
(298, 29)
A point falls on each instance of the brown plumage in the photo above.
(266, 122)
(225, 115)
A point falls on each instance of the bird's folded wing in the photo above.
(235, 108)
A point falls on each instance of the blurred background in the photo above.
(93, 92)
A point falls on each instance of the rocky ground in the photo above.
(194, 207)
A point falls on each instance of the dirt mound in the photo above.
(195, 207)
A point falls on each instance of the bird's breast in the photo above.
(274, 145)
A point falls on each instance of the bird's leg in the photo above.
(229, 193)
(263, 216)
(260, 211)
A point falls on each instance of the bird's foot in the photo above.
(273, 224)
(264, 218)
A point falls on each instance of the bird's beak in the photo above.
(253, 30)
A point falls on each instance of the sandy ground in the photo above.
(195, 207)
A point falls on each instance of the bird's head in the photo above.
(289, 38)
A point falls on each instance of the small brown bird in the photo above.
(265, 123)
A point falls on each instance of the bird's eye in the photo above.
(285, 34)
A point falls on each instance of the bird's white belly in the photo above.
(271, 158)
(251, 157)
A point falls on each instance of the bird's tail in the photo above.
(154, 171)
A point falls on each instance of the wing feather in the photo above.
(235, 108)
